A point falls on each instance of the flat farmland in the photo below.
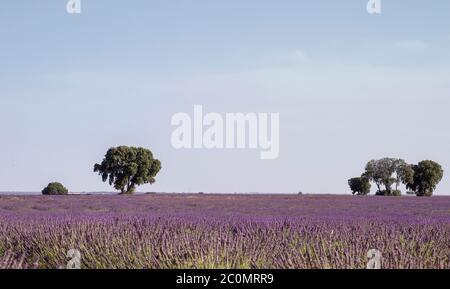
(224, 231)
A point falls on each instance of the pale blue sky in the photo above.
(349, 87)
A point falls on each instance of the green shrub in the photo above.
(360, 185)
(55, 189)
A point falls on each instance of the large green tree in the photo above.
(427, 174)
(386, 172)
(128, 167)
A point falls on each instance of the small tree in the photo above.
(360, 185)
(55, 189)
(405, 174)
(387, 172)
(128, 167)
(427, 174)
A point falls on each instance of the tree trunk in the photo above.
(130, 188)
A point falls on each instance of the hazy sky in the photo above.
(349, 87)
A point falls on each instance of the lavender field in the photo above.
(224, 231)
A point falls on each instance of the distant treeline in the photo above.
(125, 168)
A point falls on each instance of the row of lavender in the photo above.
(224, 231)
(112, 241)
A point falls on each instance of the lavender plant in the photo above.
(206, 231)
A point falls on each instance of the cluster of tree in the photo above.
(389, 173)
(124, 167)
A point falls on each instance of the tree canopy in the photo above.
(128, 167)
(427, 174)
(359, 185)
(55, 189)
(386, 172)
